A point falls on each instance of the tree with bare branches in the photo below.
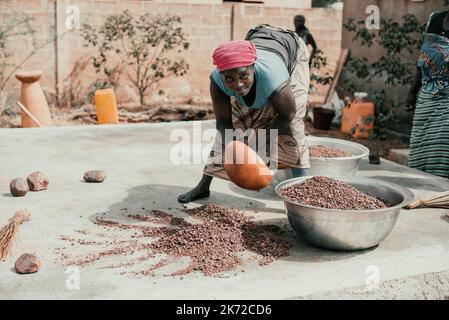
(138, 48)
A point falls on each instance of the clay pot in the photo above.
(33, 98)
(322, 118)
(245, 168)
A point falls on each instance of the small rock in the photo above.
(95, 176)
(18, 187)
(37, 181)
(27, 263)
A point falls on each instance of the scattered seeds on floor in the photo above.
(212, 246)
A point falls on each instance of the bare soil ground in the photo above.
(87, 116)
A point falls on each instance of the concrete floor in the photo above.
(136, 158)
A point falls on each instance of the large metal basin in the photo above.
(347, 166)
(347, 229)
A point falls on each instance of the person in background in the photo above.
(429, 95)
(304, 33)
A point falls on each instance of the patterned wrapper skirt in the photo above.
(429, 143)
(292, 148)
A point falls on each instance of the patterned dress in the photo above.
(429, 143)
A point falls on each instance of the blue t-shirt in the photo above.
(270, 74)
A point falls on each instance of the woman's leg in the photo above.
(241, 119)
(213, 168)
(200, 191)
(293, 148)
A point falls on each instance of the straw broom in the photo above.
(8, 232)
(439, 200)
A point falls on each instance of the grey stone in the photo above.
(37, 181)
(27, 263)
(18, 187)
(95, 176)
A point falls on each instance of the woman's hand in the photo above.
(410, 102)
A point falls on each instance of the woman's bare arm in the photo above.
(222, 109)
(410, 102)
(284, 105)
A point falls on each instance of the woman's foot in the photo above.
(200, 191)
(195, 193)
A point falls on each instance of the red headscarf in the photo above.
(234, 54)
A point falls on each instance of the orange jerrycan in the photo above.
(358, 117)
(106, 106)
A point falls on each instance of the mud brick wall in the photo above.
(43, 13)
(207, 23)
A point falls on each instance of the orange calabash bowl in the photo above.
(245, 168)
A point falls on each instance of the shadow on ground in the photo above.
(303, 252)
(267, 193)
(420, 181)
(414, 183)
(146, 198)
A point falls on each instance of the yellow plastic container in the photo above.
(106, 106)
(358, 117)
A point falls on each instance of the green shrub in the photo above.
(138, 48)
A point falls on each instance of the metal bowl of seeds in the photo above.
(335, 157)
(342, 213)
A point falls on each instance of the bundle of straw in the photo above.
(9, 231)
(439, 200)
